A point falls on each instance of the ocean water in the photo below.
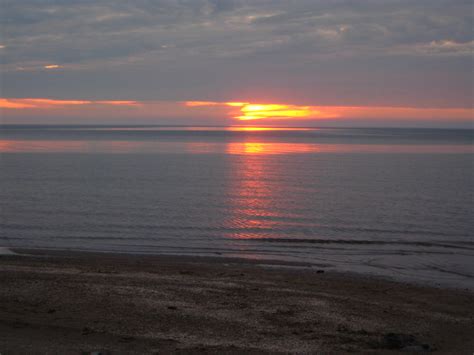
(388, 202)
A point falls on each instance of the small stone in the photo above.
(398, 341)
(87, 331)
(342, 328)
(415, 348)
(126, 339)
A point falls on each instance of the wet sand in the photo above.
(75, 303)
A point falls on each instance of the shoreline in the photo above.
(221, 257)
(128, 303)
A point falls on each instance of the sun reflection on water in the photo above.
(253, 192)
(252, 147)
(270, 148)
(263, 128)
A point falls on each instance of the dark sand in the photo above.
(74, 303)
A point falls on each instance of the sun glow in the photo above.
(246, 111)
(237, 104)
(259, 111)
(253, 111)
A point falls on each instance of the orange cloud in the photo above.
(27, 109)
(236, 104)
(252, 111)
(38, 103)
(5, 103)
(52, 66)
(52, 103)
(400, 113)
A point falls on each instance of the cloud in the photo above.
(41, 110)
(441, 47)
(35, 103)
(52, 66)
(67, 32)
(395, 52)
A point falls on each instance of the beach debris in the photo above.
(18, 324)
(404, 342)
(126, 339)
(87, 331)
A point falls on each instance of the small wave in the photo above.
(362, 242)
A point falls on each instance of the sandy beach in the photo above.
(76, 303)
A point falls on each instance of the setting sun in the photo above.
(256, 111)
(246, 111)
(259, 111)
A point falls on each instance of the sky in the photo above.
(388, 63)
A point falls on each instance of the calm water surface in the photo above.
(390, 202)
